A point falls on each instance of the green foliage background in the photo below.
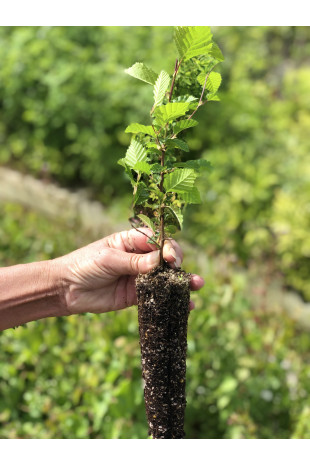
(64, 105)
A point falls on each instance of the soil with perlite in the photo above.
(163, 309)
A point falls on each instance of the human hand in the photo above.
(101, 276)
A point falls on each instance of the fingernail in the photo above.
(152, 258)
(177, 262)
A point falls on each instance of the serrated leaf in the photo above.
(196, 165)
(216, 53)
(142, 72)
(141, 195)
(193, 196)
(192, 41)
(177, 143)
(160, 88)
(213, 98)
(209, 64)
(135, 153)
(151, 145)
(122, 162)
(185, 98)
(201, 78)
(171, 111)
(157, 168)
(184, 124)
(180, 180)
(136, 128)
(147, 221)
(173, 217)
(213, 82)
(142, 167)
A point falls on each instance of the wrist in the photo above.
(57, 277)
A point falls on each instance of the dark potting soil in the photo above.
(163, 309)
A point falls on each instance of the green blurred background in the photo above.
(64, 105)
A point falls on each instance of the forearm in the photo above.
(30, 292)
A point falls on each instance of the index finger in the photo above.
(135, 240)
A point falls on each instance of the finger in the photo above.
(119, 263)
(134, 240)
(196, 283)
(126, 241)
(173, 253)
(191, 305)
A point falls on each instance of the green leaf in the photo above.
(213, 82)
(142, 167)
(209, 64)
(188, 99)
(185, 98)
(184, 124)
(180, 180)
(136, 128)
(171, 111)
(177, 143)
(192, 41)
(147, 221)
(157, 168)
(170, 229)
(160, 88)
(141, 195)
(173, 217)
(196, 165)
(151, 145)
(122, 162)
(136, 152)
(216, 53)
(213, 98)
(193, 196)
(201, 78)
(142, 72)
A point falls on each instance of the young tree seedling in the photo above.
(163, 184)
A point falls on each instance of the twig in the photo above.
(201, 96)
(150, 238)
(162, 225)
(176, 69)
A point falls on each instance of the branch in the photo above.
(150, 238)
(201, 96)
(176, 69)
(162, 225)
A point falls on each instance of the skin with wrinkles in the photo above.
(101, 276)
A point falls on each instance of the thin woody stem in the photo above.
(162, 174)
(161, 209)
(162, 224)
(176, 69)
(150, 238)
(201, 96)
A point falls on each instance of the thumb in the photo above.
(132, 263)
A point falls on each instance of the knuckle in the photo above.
(134, 263)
